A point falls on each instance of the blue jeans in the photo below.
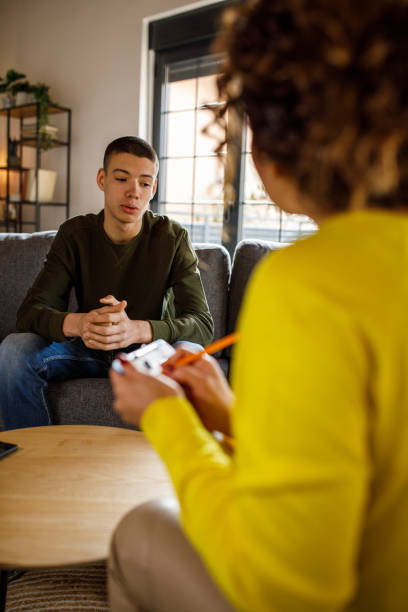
(28, 362)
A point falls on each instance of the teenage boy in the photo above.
(136, 279)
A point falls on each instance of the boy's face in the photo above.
(129, 184)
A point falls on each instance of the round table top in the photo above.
(66, 488)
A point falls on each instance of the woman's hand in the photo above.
(134, 391)
(206, 387)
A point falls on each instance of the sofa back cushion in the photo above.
(247, 255)
(22, 256)
(215, 269)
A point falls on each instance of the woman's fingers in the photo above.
(172, 361)
(134, 391)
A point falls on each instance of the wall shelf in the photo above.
(31, 110)
(13, 206)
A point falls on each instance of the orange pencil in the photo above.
(209, 349)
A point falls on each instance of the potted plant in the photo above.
(22, 92)
(42, 96)
(6, 85)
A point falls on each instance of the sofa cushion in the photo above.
(21, 256)
(215, 269)
(247, 255)
(82, 401)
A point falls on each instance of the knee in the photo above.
(132, 553)
(137, 524)
(137, 527)
(16, 349)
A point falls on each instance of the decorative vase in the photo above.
(21, 98)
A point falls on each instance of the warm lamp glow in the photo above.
(3, 162)
(14, 177)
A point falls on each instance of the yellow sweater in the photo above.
(311, 514)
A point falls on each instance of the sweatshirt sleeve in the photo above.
(278, 525)
(188, 316)
(45, 305)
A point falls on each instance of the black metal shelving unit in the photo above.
(39, 143)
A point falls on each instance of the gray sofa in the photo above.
(89, 401)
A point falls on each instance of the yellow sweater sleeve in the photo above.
(278, 525)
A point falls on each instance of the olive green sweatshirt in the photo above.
(156, 273)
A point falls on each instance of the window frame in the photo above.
(170, 43)
(185, 36)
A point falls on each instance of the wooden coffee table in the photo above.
(64, 491)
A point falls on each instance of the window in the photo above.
(191, 185)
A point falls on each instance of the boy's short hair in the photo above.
(133, 145)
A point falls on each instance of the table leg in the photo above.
(3, 589)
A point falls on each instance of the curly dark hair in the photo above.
(324, 85)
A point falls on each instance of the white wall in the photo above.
(89, 52)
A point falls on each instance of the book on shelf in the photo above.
(30, 131)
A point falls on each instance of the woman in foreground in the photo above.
(310, 511)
